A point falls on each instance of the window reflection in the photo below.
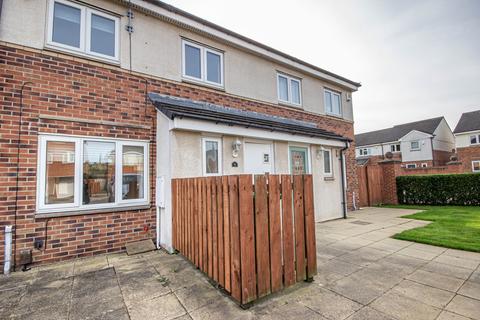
(60, 173)
(98, 172)
(133, 173)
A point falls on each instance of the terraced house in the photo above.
(467, 141)
(102, 103)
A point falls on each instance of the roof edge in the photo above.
(231, 33)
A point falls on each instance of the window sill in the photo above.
(203, 84)
(79, 54)
(340, 116)
(78, 212)
(290, 105)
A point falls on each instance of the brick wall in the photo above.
(65, 87)
(467, 155)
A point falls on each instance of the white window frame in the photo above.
(290, 79)
(77, 204)
(339, 94)
(415, 149)
(473, 165)
(477, 137)
(85, 31)
(364, 151)
(395, 147)
(203, 64)
(204, 156)
(411, 166)
(328, 174)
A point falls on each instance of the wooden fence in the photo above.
(252, 239)
(370, 184)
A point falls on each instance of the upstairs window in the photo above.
(415, 145)
(475, 139)
(333, 103)
(364, 151)
(289, 89)
(200, 63)
(395, 147)
(83, 30)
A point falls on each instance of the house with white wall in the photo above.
(121, 97)
(467, 140)
(424, 143)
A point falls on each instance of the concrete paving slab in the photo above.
(447, 315)
(470, 289)
(415, 253)
(463, 254)
(423, 293)
(338, 266)
(367, 313)
(358, 289)
(400, 307)
(329, 304)
(161, 308)
(289, 311)
(221, 310)
(197, 295)
(465, 306)
(436, 280)
(447, 270)
(458, 262)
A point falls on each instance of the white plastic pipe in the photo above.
(8, 250)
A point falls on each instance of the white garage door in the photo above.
(258, 158)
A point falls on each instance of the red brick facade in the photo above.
(113, 104)
(467, 155)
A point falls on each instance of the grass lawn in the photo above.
(452, 227)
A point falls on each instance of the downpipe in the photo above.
(8, 250)
(344, 178)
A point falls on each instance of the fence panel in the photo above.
(252, 239)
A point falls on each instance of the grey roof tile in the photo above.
(396, 132)
(469, 121)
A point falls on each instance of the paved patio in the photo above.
(363, 274)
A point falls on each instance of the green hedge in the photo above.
(448, 189)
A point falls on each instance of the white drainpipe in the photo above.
(8, 249)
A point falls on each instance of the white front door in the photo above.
(258, 158)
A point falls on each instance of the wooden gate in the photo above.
(251, 239)
(370, 181)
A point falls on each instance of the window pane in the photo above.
(295, 87)
(282, 88)
(213, 67)
(211, 156)
(473, 139)
(102, 35)
(98, 172)
(66, 25)
(192, 62)
(298, 158)
(132, 171)
(336, 104)
(476, 166)
(326, 162)
(328, 102)
(414, 145)
(60, 173)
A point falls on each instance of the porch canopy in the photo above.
(201, 116)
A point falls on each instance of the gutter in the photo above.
(344, 177)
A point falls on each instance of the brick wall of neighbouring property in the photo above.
(441, 158)
(467, 155)
(66, 87)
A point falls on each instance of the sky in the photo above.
(416, 59)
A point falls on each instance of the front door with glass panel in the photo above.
(298, 160)
(258, 158)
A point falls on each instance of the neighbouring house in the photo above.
(104, 102)
(467, 141)
(424, 143)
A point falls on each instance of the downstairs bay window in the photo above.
(77, 173)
